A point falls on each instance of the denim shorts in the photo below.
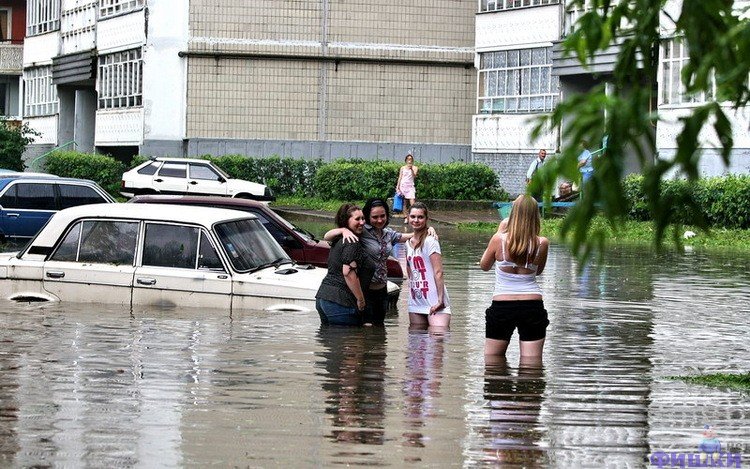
(529, 316)
(335, 314)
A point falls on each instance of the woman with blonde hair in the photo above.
(519, 255)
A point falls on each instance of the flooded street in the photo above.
(96, 386)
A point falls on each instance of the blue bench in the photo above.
(503, 208)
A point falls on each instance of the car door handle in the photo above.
(13, 215)
(146, 281)
(55, 274)
(193, 182)
(158, 180)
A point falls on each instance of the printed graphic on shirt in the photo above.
(418, 283)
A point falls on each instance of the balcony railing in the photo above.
(11, 58)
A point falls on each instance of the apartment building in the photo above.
(367, 79)
(523, 73)
(12, 32)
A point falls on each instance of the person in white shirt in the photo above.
(429, 305)
(535, 165)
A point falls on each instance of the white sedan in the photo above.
(158, 255)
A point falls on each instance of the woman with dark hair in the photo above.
(377, 240)
(519, 255)
(340, 299)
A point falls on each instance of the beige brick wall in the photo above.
(391, 97)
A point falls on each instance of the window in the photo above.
(42, 16)
(72, 195)
(248, 245)
(208, 258)
(173, 170)
(120, 79)
(201, 171)
(497, 5)
(149, 169)
(34, 197)
(674, 58)
(109, 8)
(5, 24)
(171, 246)
(101, 242)
(40, 95)
(517, 81)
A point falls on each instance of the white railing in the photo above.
(78, 28)
(11, 58)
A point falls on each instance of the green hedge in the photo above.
(723, 201)
(104, 170)
(285, 176)
(359, 180)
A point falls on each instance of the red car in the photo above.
(301, 245)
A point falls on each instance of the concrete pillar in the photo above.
(85, 120)
(65, 132)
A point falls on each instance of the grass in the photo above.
(739, 382)
(312, 203)
(640, 233)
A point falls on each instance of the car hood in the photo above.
(240, 185)
(289, 281)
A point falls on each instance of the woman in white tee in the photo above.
(428, 299)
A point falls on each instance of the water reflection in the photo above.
(514, 434)
(424, 373)
(354, 368)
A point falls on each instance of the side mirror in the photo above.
(222, 180)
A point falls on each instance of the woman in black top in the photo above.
(340, 298)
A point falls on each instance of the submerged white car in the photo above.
(141, 255)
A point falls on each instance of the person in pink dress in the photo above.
(405, 184)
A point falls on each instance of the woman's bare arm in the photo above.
(489, 256)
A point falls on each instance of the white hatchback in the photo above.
(188, 176)
(144, 255)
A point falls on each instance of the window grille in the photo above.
(40, 95)
(674, 58)
(109, 8)
(120, 79)
(42, 16)
(517, 81)
(499, 5)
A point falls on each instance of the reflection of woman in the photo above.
(354, 381)
(340, 298)
(519, 255)
(424, 368)
(405, 185)
(428, 299)
(378, 241)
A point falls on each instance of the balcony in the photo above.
(11, 59)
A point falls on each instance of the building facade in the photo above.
(12, 32)
(327, 78)
(523, 73)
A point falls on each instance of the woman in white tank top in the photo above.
(518, 255)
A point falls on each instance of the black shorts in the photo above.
(529, 316)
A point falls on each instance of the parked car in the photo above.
(154, 255)
(301, 245)
(28, 201)
(188, 176)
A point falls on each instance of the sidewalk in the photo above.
(445, 217)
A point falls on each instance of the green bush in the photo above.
(359, 180)
(285, 176)
(721, 201)
(13, 141)
(104, 170)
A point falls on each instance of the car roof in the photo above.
(34, 177)
(196, 200)
(205, 216)
(179, 160)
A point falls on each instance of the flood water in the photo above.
(95, 386)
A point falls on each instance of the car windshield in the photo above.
(249, 246)
(306, 235)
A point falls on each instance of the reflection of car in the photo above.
(301, 245)
(158, 255)
(188, 176)
(27, 202)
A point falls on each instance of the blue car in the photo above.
(27, 201)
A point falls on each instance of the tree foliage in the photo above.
(718, 41)
(13, 141)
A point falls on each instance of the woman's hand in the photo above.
(437, 307)
(431, 232)
(360, 304)
(349, 237)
